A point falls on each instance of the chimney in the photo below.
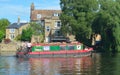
(18, 20)
(32, 7)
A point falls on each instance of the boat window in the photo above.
(71, 47)
(62, 47)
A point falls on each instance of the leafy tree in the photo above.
(37, 28)
(26, 34)
(33, 29)
(79, 15)
(3, 24)
(1, 35)
(107, 22)
(18, 37)
(98, 16)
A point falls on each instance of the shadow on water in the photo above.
(98, 64)
(110, 63)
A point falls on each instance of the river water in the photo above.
(98, 64)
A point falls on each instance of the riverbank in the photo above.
(9, 49)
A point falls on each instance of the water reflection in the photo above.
(10, 66)
(51, 66)
(60, 66)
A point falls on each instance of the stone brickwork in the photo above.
(8, 49)
(17, 30)
(51, 22)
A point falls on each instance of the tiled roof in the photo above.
(43, 13)
(16, 25)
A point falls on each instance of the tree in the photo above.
(26, 34)
(33, 29)
(97, 16)
(3, 24)
(1, 35)
(107, 22)
(37, 28)
(79, 15)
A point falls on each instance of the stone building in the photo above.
(51, 22)
(15, 29)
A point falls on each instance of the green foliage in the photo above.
(3, 24)
(1, 35)
(93, 16)
(107, 22)
(18, 38)
(27, 34)
(79, 15)
(33, 29)
(41, 38)
(37, 28)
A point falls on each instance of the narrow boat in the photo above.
(56, 50)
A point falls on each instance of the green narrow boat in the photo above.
(56, 50)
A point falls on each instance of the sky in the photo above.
(11, 9)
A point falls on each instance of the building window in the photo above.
(57, 33)
(47, 39)
(48, 28)
(56, 14)
(12, 30)
(57, 24)
(42, 23)
(38, 16)
(12, 36)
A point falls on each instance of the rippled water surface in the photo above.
(98, 64)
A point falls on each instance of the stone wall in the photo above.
(8, 49)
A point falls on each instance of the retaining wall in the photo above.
(8, 49)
